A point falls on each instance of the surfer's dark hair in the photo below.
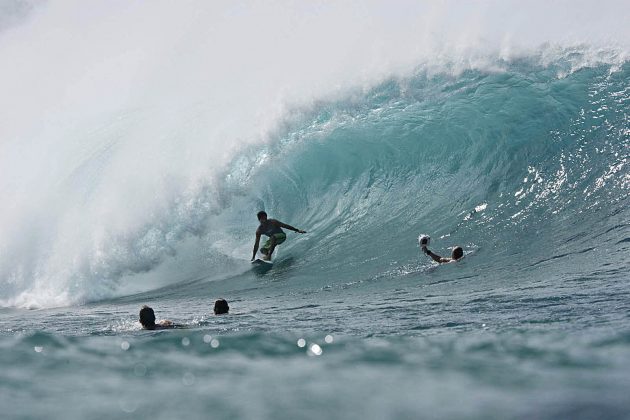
(261, 214)
(458, 252)
(147, 317)
(221, 307)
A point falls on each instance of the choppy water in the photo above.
(522, 161)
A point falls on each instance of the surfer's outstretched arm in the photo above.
(256, 244)
(284, 225)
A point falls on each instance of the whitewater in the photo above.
(139, 140)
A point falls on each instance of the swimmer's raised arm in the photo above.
(435, 257)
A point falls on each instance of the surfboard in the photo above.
(261, 262)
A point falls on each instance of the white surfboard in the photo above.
(260, 261)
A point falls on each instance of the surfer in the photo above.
(457, 253)
(147, 319)
(273, 229)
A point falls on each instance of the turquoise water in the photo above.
(527, 171)
(524, 163)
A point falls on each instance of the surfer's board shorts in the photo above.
(280, 237)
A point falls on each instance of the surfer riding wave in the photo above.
(273, 229)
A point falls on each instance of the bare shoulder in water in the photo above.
(147, 319)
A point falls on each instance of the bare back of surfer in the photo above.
(273, 229)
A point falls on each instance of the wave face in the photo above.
(516, 152)
(522, 166)
(525, 166)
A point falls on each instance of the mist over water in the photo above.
(130, 131)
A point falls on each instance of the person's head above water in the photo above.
(262, 216)
(147, 317)
(457, 253)
(221, 307)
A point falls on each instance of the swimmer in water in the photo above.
(456, 255)
(147, 319)
(221, 307)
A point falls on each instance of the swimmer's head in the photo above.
(262, 216)
(221, 307)
(147, 317)
(458, 252)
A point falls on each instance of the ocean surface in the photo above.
(524, 161)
